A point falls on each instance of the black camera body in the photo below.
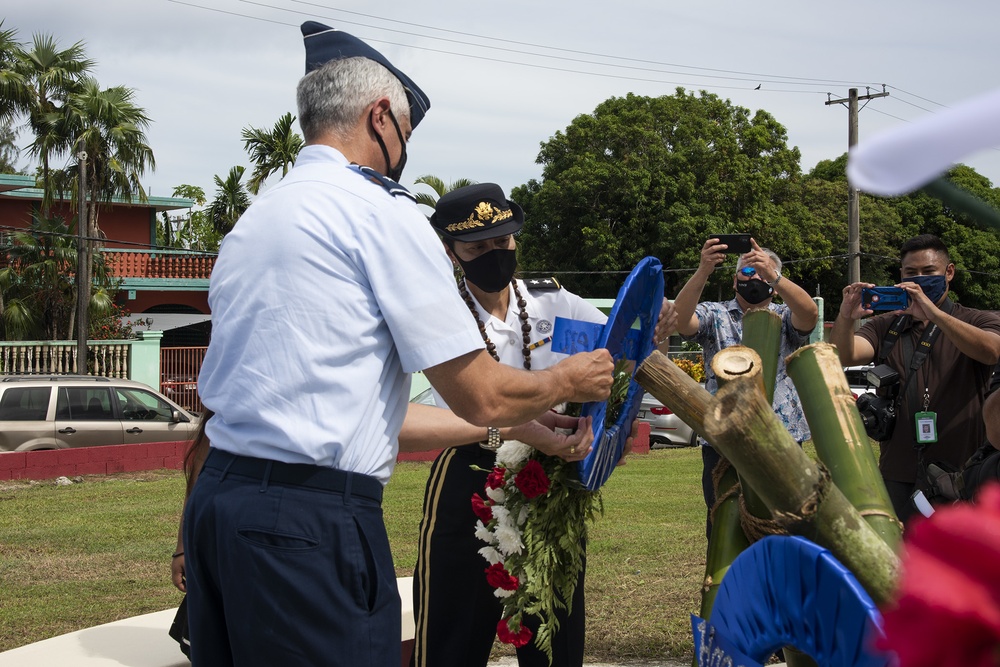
(878, 410)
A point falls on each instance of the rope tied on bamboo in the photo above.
(810, 506)
(755, 528)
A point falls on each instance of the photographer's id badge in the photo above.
(926, 427)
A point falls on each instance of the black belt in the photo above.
(296, 474)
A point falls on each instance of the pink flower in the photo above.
(947, 607)
(518, 638)
(532, 480)
(497, 576)
(481, 509)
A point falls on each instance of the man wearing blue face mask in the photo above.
(944, 354)
(716, 325)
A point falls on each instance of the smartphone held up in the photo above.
(882, 299)
(735, 243)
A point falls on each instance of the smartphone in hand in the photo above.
(884, 298)
(736, 243)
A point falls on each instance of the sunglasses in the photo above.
(748, 271)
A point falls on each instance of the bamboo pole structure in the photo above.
(744, 428)
(740, 362)
(728, 541)
(762, 334)
(686, 398)
(839, 436)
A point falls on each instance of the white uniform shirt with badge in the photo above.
(327, 293)
(544, 300)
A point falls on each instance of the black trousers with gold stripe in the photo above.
(455, 611)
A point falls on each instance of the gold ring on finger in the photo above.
(572, 450)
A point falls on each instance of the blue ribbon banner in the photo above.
(711, 649)
(628, 334)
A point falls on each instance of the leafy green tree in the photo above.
(49, 75)
(231, 200)
(271, 150)
(653, 176)
(194, 229)
(14, 96)
(37, 287)
(9, 152)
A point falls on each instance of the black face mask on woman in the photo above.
(492, 271)
(754, 291)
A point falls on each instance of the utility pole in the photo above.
(82, 270)
(853, 212)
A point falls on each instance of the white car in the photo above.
(665, 428)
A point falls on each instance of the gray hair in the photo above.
(770, 253)
(332, 97)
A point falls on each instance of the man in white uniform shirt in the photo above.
(331, 289)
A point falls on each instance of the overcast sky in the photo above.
(505, 76)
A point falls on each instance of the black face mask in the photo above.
(492, 271)
(754, 291)
(395, 173)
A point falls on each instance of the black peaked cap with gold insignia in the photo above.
(475, 213)
(324, 44)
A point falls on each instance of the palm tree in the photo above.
(231, 200)
(14, 95)
(49, 75)
(271, 151)
(439, 187)
(37, 288)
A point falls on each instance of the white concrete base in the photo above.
(140, 641)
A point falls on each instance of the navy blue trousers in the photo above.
(283, 574)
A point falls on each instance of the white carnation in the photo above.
(491, 555)
(501, 593)
(522, 516)
(484, 533)
(496, 495)
(513, 454)
(508, 540)
(500, 513)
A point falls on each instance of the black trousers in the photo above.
(455, 610)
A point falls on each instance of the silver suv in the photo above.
(62, 411)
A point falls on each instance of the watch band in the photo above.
(776, 280)
(493, 440)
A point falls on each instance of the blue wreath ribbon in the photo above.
(639, 301)
(788, 591)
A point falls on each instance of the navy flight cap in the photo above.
(324, 44)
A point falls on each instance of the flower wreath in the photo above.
(534, 522)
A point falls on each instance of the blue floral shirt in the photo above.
(720, 325)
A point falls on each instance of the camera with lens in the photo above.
(878, 410)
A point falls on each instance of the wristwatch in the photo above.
(777, 279)
(493, 439)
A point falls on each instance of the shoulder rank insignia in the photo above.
(386, 183)
(543, 284)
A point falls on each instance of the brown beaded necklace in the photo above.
(523, 315)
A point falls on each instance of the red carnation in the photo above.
(481, 509)
(947, 608)
(532, 480)
(518, 639)
(495, 479)
(497, 576)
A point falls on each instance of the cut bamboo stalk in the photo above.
(762, 334)
(744, 363)
(840, 438)
(675, 389)
(744, 428)
(728, 541)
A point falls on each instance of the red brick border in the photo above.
(52, 463)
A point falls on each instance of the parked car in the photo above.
(857, 378)
(63, 411)
(665, 428)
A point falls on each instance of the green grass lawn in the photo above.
(81, 555)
